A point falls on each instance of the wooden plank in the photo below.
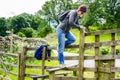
(34, 66)
(107, 57)
(36, 75)
(47, 75)
(115, 78)
(40, 76)
(117, 56)
(9, 54)
(102, 32)
(90, 79)
(61, 68)
(90, 69)
(104, 57)
(30, 58)
(72, 69)
(8, 72)
(56, 58)
(65, 78)
(72, 46)
(10, 64)
(65, 57)
(89, 57)
(54, 47)
(99, 44)
(115, 69)
(104, 69)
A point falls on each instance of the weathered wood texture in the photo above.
(43, 66)
(104, 64)
(16, 64)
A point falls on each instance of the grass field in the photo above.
(52, 40)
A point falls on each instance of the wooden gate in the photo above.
(104, 67)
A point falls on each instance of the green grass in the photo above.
(52, 40)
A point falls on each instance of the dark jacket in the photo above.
(71, 20)
(39, 51)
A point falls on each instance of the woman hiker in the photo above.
(63, 31)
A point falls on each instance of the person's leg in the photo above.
(61, 44)
(70, 38)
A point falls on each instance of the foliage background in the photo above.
(101, 14)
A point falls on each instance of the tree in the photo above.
(18, 22)
(103, 13)
(3, 26)
(112, 13)
(51, 10)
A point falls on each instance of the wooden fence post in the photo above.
(113, 53)
(19, 66)
(97, 40)
(52, 76)
(23, 57)
(43, 61)
(81, 55)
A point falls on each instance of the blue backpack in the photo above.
(63, 15)
(39, 51)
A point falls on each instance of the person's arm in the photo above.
(72, 18)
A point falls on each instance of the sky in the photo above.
(9, 8)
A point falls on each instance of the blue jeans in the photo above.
(62, 42)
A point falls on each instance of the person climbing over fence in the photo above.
(67, 20)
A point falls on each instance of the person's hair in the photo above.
(82, 8)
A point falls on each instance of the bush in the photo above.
(21, 34)
(104, 51)
(117, 51)
(27, 31)
(93, 28)
(43, 31)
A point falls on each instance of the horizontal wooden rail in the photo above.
(47, 75)
(34, 66)
(62, 68)
(87, 57)
(10, 64)
(99, 44)
(8, 72)
(115, 78)
(102, 32)
(90, 79)
(90, 69)
(107, 57)
(55, 58)
(66, 78)
(115, 69)
(54, 47)
(9, 54)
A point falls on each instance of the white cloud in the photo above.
(9, 8)
(14, 7)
